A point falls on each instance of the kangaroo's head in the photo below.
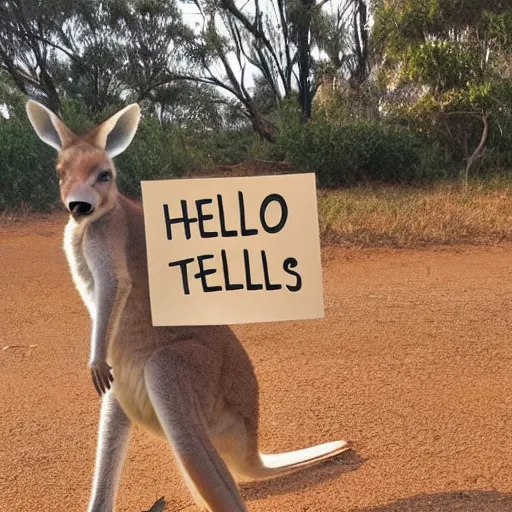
(87, 176)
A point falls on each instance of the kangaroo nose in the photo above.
(80, 207)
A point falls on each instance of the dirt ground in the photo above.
(412, 363)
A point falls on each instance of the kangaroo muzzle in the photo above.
(81, 201)
(80, 207)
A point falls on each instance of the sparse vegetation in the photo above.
(386, 215)
(446, 213)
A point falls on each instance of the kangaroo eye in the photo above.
(104, 176)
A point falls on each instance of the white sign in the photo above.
(233, 250)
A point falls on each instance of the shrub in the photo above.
(225, 147)
(27, 175)
(345, 154)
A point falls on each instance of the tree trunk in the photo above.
(479, 149)
(304, 60)
(265, 128)
(51, 91)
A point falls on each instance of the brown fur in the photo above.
(194, 385)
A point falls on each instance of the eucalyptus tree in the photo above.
(98, 51)
(273, 51)
(447, 66)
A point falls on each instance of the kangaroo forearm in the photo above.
(105, 306)
(109, 313)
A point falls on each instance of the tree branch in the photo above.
(481, 145)
(255, 31)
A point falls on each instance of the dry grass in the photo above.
(26, 213)
(395, 216)
(10, 216)
(398, 217)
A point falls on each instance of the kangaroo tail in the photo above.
(280, 464)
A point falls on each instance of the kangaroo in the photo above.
(194, 385)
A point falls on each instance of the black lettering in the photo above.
(229, 286)
(250, 285)
(185, 219)
(206, 272)
(202, 217)
(184, 276)
(284, 213)
(268, 284)
(244, 231)
(287, 265)
(222, 219)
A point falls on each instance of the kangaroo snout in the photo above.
(80, 207)
(79, 198)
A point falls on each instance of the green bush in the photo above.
(498, 152)
(27, 166)
(226, 147)
(340, 150)
(346, 154)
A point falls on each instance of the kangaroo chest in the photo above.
(80, 271)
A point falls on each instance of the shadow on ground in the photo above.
(307, 478)
(458, 501)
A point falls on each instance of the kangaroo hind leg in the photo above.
(114, 432)
(173, 376)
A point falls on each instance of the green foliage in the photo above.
(433, 43)
(226, 147)
(346, 154)
(98, 52)
(27, 175)
(446, 69)
(454, 120)
(498, 155)
(442, 64)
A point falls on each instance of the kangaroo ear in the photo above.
(116, 133)
(48, 126)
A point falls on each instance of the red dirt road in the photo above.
(412, 363)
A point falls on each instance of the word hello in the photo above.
(220, 261)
